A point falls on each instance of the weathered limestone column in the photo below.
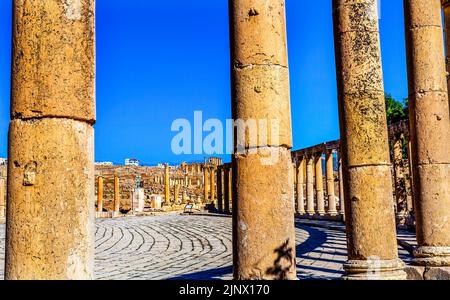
(205, 184)
(372, 245)
(319, 186)
(430, 130)
(230, 189)
(176, 193)
(310, 210)
(212, 182)
(100, 194)
(399, 184)
(220, 189)
(300, 183)
(341, 191)
(116, 195)
(226, 189)
(446, 7)
(330, 184)
(264, 237)
(166, 185)
(2, 199)
(51, 185)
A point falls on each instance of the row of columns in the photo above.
(51, 151)
(116, 205)
(224, 188)
(309, 177)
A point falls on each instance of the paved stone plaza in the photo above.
(199, 247)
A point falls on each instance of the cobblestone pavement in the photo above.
(197, 247)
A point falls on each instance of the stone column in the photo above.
(399, 179)
(264, 237)
(226, 189)
(300, 183)
(219, 189)
(410, 202)
(100, 194)
(341, 191)
(330, 184)
(51, 185)
(372, 245)
(205, 184)
(446, 7)
(116, 195)
(166, 185)
(430, 130)
(310, 210)
(319, 186)
(2, 199)
(176, 192)
(212, 182)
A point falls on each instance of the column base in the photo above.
(431, 256)
(374, 269)
(333, 213)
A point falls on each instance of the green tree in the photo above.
(395, 110)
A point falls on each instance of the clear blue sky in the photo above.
(161, 60)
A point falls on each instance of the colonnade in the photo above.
(51, 154)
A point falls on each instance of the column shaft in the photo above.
(309, 187)
(220, 189)
(430, 130)
(212, 182)
(51, 185)
(263, 231)
(300, 183)
(100, 194)
(166, 185)
(364, 144)
(399, 180)
(330, 184)
(116, 194)
(319, 186)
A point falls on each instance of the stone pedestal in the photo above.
(372, 244)
(138, 200)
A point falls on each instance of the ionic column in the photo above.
(319, 186)
(309, 187)
(330, 184)
(262, 180)
(212, 182)
(2, 198)
(399, 178)
(446, 7)
(116, 194)
(341, 191)
(205, 184)
(51, 186)
(300, 182)
(166, 185)
(430, 130)
(372, 245)
(226, 189)
(219, 189)
(100, 194)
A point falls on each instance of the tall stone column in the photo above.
(2, 199)
(319, 185)
(205, 184)
(116, 195)
(310, 210)
(264, 237)
(341, 191)
(372, 245)
(212, 182)
(300, 183)
(430, 130)
(446, 7)
(220, 189)
(399, 184)
(176, 193)
(51, 185)
(230, 189)
(330, 184)
(166, 185)
(226, 189)
(100, 194)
